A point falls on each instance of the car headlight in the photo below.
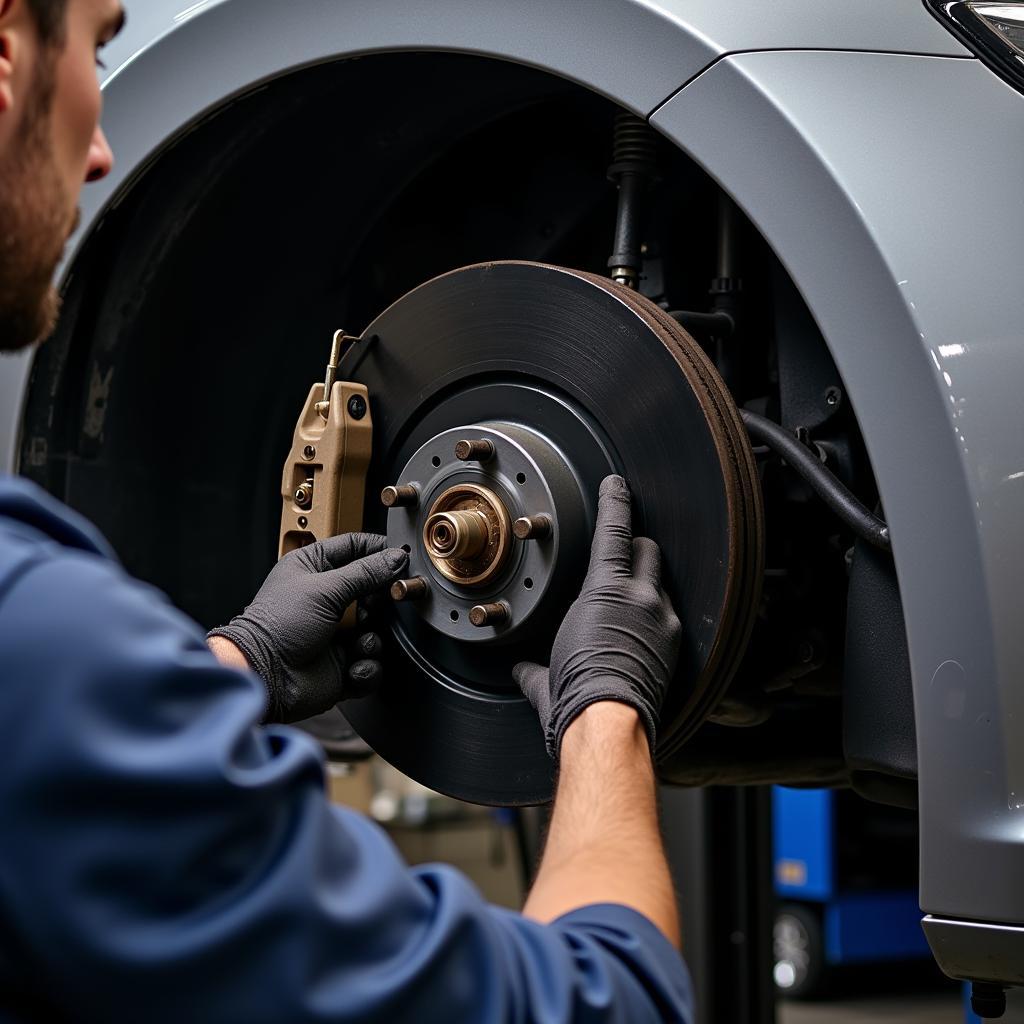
(994, 31)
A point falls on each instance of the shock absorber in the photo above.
(634, 169)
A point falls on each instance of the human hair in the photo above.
(49, 16)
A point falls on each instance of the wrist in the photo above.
(227, 653)
(607, 725)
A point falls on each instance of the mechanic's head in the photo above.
(50, 145)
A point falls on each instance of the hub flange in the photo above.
(459, 534)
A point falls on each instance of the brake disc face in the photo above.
(567, 377)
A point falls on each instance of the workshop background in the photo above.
(847, 947)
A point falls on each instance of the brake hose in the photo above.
(820, 478)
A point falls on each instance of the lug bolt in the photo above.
(410, 590)
(532, 527)
(402, 496)
(496, 614)
(474, 451)
(304, 494)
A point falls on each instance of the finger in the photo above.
(647, 561)
(347, 547)
(369, 645)
(340, 587)
(364, 677)
(532, 679)
(611, 550)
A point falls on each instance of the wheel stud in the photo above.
(402, 496)
(474, 451)
(532, 527)
(414, 589)
(490, 614)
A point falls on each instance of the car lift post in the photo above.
(719, 847)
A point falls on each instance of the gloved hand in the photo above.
(289, 632)
(620, 640)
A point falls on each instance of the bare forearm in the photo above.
(604, 844)
(227, 653)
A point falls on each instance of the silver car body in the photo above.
(882, 163)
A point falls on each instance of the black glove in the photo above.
(620, 640)
(289, 632)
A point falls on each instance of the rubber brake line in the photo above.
(843, 502)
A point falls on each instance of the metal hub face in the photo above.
(570, 377)
(467, 535)
(460, 538)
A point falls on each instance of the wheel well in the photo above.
(199, 310)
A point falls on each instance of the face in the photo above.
(50, 145)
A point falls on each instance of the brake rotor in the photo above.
(567, 377)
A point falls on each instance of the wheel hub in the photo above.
(459, 529)
(467, 535)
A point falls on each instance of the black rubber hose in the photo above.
(846, 506)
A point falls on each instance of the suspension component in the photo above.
(634, 169)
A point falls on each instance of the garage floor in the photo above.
(915, 1009)
(911, 994)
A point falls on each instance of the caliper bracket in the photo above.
(324, 481)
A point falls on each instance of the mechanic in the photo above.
(168, 851)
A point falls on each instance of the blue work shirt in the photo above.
(164, 858)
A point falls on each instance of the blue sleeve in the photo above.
(163, 859)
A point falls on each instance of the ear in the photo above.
(7, 50)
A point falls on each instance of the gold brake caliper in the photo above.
(324, 481)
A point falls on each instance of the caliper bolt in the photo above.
(410, 590)
(532, 527)
(357, 407)
(402, 496)
(304, 493)
(474, 451)
(496, 614)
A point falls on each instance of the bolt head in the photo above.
(357, 407)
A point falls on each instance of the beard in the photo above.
(35, 222)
